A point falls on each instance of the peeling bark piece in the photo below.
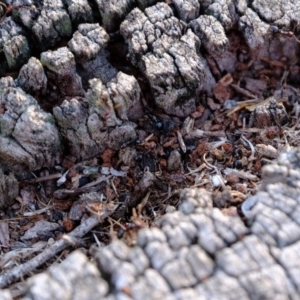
(52, 25)
(62, 65)
(32, 78)
(88, 41)
(187, 9)
(113, 12)
(80, 11)
(28, 136)
(9, 189)
(125, 93)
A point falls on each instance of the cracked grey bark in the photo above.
(88, 41)
(32, 78)
(97, 68)
(52, 25)
(90, 125)
(169, 57)
(61, 67)
(198, 252)
(187, 9)
(16, 51)
(80, 11)
(125, 93)
(29, 138)
(14, 44)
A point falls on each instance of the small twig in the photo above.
(18, 272)
(45, 178)
(243, 91)
(114, 188)
(198, 133)
(90, 187)
(252, 156)
(181, 141)
(37, 212)
(147, 138)
(199, 169)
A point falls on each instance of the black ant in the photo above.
(10, 8)
(274, 29)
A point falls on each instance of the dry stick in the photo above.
(46, 178)
(18, 272)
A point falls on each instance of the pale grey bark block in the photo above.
(32, 78)
(52, 25)
(17, 51)
(90, 125)
(29, 138)
(125, 94)
(159, 254)
(178, 274)
(226, 11)
(187, 9)
(168, 57)
(88, 41)
(62, 65)
(68, 280)
(211, 33)
(80, 11)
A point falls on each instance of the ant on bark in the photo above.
(274, 29)
(10, 8)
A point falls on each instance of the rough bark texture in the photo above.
(69, 94)
(79, 80)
